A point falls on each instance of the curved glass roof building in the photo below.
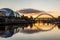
(8, 12)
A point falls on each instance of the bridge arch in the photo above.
(44, 14)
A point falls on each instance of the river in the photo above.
(53, 34)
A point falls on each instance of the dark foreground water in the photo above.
(53, 34)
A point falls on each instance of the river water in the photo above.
(37, 32)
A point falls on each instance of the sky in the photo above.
(49, 5)
(46, 5)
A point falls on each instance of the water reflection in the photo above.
(8, 31)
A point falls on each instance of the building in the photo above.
(8, 12)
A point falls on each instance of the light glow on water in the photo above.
(41, 26)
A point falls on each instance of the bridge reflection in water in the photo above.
(36, 27)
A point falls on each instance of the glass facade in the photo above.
(8, 12)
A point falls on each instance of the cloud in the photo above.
(29, 11)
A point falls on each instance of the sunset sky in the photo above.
(45, 5)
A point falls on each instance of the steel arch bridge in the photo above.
(47, 22)
(45, 14)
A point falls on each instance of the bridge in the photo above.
(52, 19)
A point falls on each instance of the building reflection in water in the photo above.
(26, 28)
